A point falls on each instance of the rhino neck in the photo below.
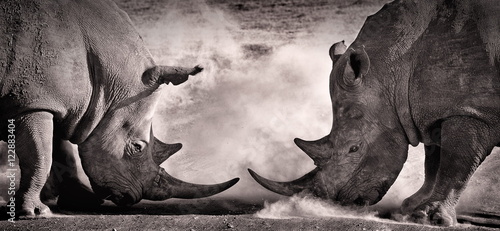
(403, 109)
(116, 59)
(96, 110)
(389, 40)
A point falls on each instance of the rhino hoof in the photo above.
(434, 213)
(34, 211)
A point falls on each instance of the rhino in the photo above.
(418, 72)
(78, 72)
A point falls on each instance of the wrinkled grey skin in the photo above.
(425, 71)
(77, 71)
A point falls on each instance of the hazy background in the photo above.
(265, 82)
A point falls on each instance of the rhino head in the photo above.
(366, 149)
(121, 155)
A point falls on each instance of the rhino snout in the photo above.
(125, 199)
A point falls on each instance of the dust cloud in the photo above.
(298, 206)
(254, 97)
(248, 105)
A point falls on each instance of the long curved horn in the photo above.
(162, 151)
(306, 182)
(319, 150)
(166, 186)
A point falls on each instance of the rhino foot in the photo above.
(33, 210)
(410, 204)
(76, 196)
(432, 213)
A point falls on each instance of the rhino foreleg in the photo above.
(34, 149)
(431, 165)
(64, 181)
(465, 142)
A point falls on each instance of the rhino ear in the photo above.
(337, 50)
(167, 74)
(357, 66)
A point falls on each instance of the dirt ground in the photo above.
(261, 28)
(204, 214)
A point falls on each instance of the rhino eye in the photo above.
(137, 147)
(354, 148)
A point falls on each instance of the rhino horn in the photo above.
(166, 186)
(305, 183)
(168, 74)
(162, 151)
(319, 150)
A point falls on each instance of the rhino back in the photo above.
(57, 55)
(437, 59)
(41, 58)
(456, 70)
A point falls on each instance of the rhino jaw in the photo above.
(125, 199)
(165, 186)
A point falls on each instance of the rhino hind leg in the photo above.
(64, 183)
(33, 148)
(465, 142)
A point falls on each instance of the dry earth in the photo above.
(204, 214)
(260, 28)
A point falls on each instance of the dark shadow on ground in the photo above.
(205, 206)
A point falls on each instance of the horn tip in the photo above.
(301, 143)
(298, 140)
(177, 146)
(252, 172)
(233, 181)
(255, 176)
(228, 184)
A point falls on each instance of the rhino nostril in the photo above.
(124, 200)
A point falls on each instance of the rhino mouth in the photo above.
(121, 199)
(125, 199)
(362, 199)
(362, 196)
